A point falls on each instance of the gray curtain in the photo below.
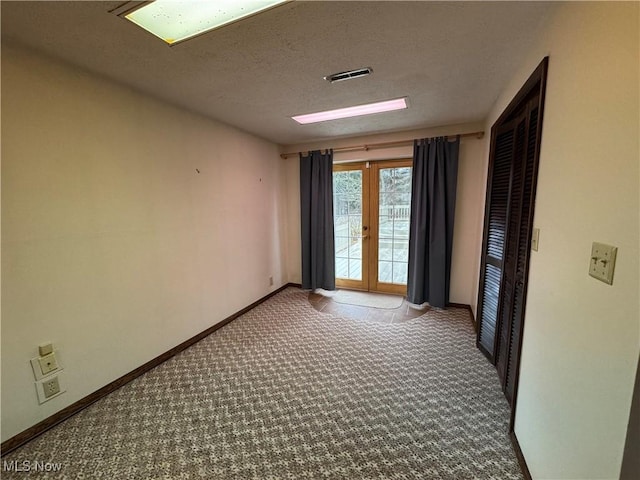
(433, 202)
(316, 209)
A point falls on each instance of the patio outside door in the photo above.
(371, 208)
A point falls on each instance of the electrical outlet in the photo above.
(50, 387)
(270, 280)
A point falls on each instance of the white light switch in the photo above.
(603, 262)
(534, 239)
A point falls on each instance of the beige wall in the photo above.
(581, 336)
(293, 236)
(469, 202)
(113, 246)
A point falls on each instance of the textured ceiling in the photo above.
(451, 59)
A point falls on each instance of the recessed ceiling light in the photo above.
(174, 21)
(367, 109)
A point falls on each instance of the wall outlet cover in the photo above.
(50, 387)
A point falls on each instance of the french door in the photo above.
(371, 209)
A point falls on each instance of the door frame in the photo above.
(535, 85)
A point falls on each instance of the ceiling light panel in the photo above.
(175, 21)
(356, 111)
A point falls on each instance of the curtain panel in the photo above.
(433, 201)
(316, 210)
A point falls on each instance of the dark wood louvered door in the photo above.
(512, 227)
(495, 229)
(516, 310)
(511, 185)
(518, 245)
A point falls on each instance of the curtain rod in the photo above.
(374, 146)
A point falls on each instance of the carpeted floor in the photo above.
(288, 392)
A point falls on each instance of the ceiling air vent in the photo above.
(338, 77)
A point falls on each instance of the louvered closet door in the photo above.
(505, 261)
(511, 189)
(513, 314)
(495, 230)
(514, 216)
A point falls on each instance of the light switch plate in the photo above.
(603, 262)
(534, 239)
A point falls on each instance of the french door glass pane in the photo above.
(393, 224)
(347, 213)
